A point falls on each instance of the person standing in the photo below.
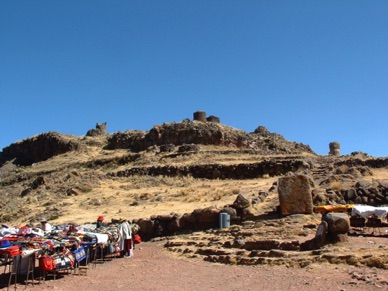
(125, 241)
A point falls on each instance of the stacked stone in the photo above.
(334, 148)
(213, 118)
(365, 193)
(200, 116)
(216, 171)
(199, 219)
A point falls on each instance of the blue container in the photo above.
(224, 220)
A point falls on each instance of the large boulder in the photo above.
(241, 202)
(209, 215)
(295, 195)
(146, 227)
(338, 223)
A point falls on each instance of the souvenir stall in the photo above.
(365, 216)
(25, 252)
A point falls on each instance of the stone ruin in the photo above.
(213, 118)
(295, 198)
(334, 149)
(99, 130)
(201, 116)
(295, 194)
(199, 219)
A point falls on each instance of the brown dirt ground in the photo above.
(154, 268)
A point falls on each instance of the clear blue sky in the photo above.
(312, 71)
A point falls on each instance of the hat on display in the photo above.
(4, 243)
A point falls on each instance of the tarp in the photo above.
(366, 211)
(333, 208)
(101, 237)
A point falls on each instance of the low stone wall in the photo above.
(217, 171)
(199, 219)
(362, 192)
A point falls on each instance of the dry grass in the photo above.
(336, 185)
(94, 194)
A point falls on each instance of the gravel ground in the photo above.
(154, 268)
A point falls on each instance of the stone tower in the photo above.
(334, 149)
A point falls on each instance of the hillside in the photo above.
(174, 167)
(174, 180)
(69, 177)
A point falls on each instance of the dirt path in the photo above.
(153, 268)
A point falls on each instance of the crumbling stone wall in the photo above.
(213, 118)
(217, 171)
(99, 130)
(198, 219)
(363, 192)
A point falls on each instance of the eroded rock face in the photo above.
(39, 148)
(205, 133)
(295, 195)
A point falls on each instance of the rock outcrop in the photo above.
(39, 148)
(99, 130)
(205, 133)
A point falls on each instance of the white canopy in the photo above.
(366, 211)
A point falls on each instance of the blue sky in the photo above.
(312, 71)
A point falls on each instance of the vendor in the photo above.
(100, 223)
(72, 228)
(125, 241)
(47, 227)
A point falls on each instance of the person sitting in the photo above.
(100, 223)
(72, 228)
(47, 227)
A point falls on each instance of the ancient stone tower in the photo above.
(334, 149)
(200, 116)
(213, 118)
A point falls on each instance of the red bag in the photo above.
(47, 263)
(136, 238)
(13, 251)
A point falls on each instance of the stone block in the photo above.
(295, 195)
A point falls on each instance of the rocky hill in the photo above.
(167, 137)
(176, 179)
(176, 166)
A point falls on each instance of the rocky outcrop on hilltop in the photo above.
(38, 148)
(187, 132)
(206, 133)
